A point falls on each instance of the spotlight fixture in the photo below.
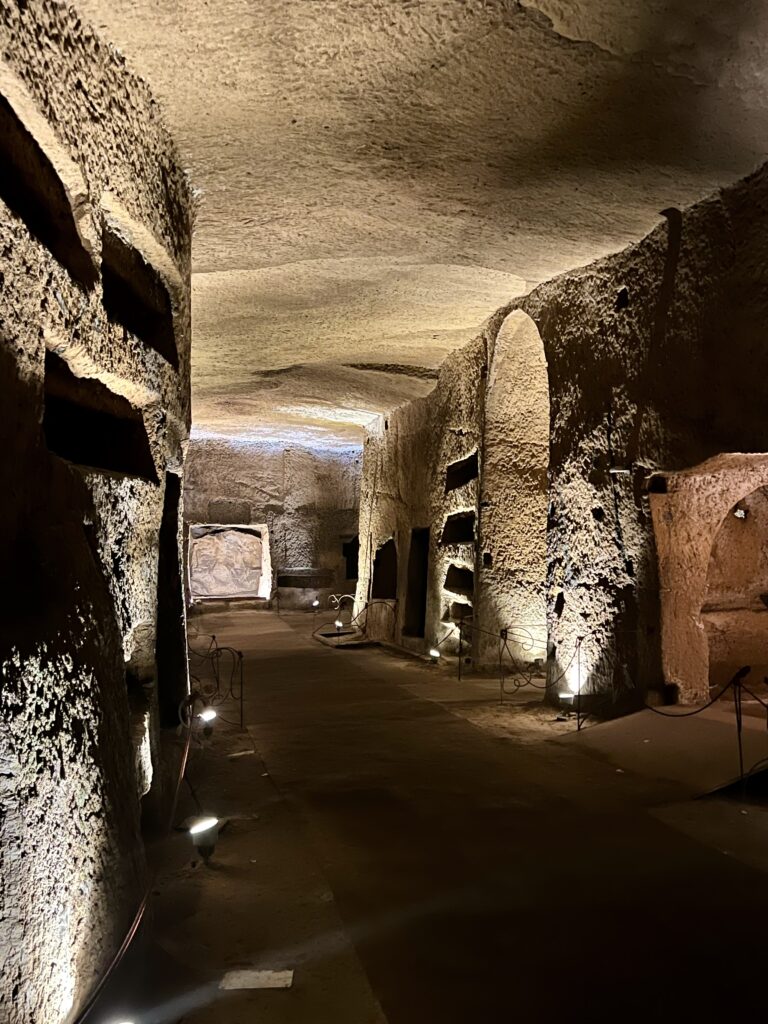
(205, 832)
(434, 653)
(316, 603)
(207, 715)
(338, 623)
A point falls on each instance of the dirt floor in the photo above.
(416, 852)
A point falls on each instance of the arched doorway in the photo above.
(689, 508)
(512, 541)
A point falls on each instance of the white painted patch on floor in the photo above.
(251, 978)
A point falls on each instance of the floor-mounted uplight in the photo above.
(434, 653)
(207, 716)
(205, 832)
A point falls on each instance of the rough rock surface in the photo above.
(306, 498)
(656, 361)
(79, 561)
(381, 175)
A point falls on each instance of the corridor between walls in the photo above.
(457, 863)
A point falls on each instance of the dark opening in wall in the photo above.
(351, 551)
(385, 572)
(461, 472)
(32, 189)
(459, 610)
(86, 423)
(416, 593)
(135, 296)
(459, 580)
(459, 529)
(170, 641)
(306, 579)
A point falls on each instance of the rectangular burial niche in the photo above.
(384, 586)
(89, 425)
(171, 637)
(136, 297)
(459, 580)
(227, 561)
(458, 529)
(32, 189)
(416, 584)
(462, 472)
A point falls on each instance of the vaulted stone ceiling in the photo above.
(378, 175)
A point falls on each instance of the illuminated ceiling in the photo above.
(379, 175)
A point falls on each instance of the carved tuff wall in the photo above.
(94, 370)
(656, 360)
(306, 499)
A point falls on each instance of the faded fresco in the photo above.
(225, 562)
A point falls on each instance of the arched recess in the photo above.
(688, 510)
(512, 536)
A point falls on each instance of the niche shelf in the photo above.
(459, 528)
(31, 187)
(89, 425)
(459, 473)
(135, 295)
(460, 580)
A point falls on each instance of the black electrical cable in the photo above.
(212, 656)
(138, 917)
(697, 711)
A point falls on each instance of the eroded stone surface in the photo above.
(656, 361)
(79, 562)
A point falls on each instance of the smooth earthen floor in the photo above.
(417, 869)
